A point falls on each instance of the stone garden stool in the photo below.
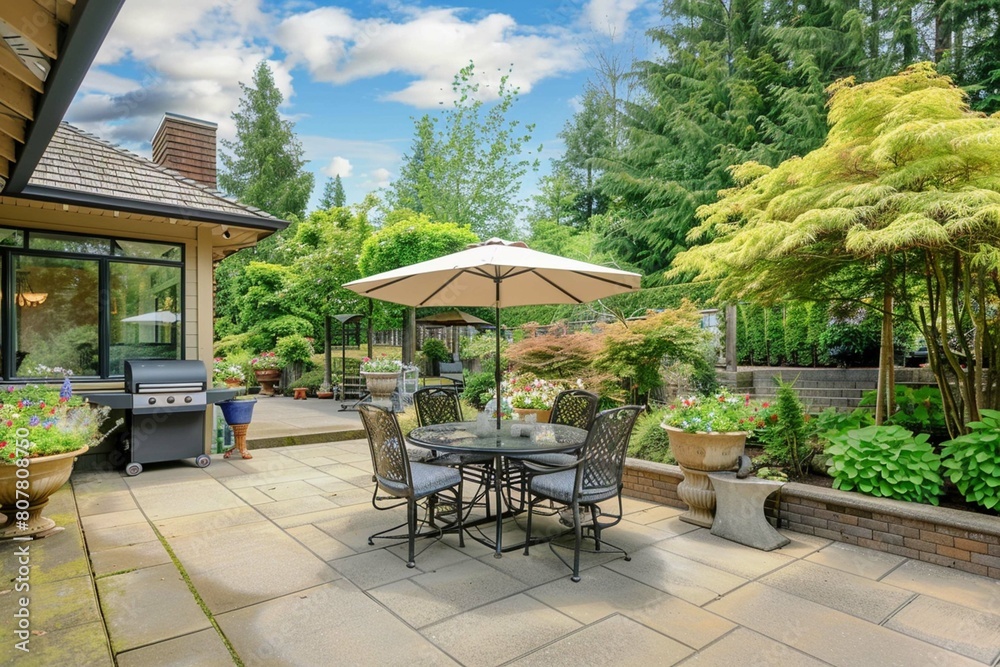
(300, 393)
(739, 511)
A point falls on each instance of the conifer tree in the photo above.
(333, 194)
(264, 166)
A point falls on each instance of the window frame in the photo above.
(8, 282)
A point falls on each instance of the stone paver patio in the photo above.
(267, 560)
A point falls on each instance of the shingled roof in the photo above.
(80, 168)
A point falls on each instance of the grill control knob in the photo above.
(170, 399)
(152, 401)
(188, 399)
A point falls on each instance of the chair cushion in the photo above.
(549, 459)
(559, 486)
(428, 479)
(419, 454)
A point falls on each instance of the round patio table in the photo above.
(475, 438)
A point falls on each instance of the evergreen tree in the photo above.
(587, 137)
(264, 167)
(333, 194)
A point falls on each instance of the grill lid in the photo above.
(143, 376)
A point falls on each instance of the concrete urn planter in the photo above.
(698, 454)
(380, 385)
(44, 476)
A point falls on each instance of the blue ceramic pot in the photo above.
(237, 412)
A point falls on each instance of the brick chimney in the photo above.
(186, 145)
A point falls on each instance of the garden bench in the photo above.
(739, 511)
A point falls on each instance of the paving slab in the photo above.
(724, 555)
(113, 519)
(243, 565)
(373, 568)
(147, 606)
(500, 631)
(836, 589)
(972, 633)
(681, 577)
(332, 624)
(947, 584)
(56, 605)
(78, 645)
(199, 649)
(826, 634)
(133, 557)
(208, 522)
(602, 593)
(102, 539)
(183, 498)
(614, 641)
(318, 542)
(750, 649)
(103, 502)
(856, 560)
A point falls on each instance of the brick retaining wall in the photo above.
(953, 538)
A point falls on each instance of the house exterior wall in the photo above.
(197, 276)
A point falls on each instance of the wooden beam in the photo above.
(17, 69)
(64, 11)
(34, 23)
(12, 126)
(4, 168)
(16, 96)
(7, 148)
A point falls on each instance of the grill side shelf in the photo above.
(116, 400)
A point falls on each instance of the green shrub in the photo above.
(649, 441)
(797, 350)
(436, 350)
(972, 461)
(295, 349)
(853, 339)
(919, 410)
(784, 436)
(231, 344)
(311, 380)
(479, 389)
(774, 331)
(264, 336)
(886, 461)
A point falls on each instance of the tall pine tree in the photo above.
(333, 194)
(264, 166)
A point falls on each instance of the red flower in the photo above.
(41, 404)
(9, 423)
(12, 455)
(774, 416)
(765, 405)
(3, 444)
(20, 405)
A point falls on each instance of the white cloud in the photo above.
(381, 177)
(339, 166)
(430, 45)
(609, 16)
(186, 56)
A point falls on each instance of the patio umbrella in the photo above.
(496, 273)
(454, 318)
(157, 317)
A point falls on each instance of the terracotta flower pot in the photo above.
(233, 383)
(380, 385)
(698, 454)
(267, 379)
(541, 416)
(45, 475)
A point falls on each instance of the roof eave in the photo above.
(93, 19)
(76, 198)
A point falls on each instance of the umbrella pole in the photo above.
(496, 372)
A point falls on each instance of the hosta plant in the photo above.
(972, 461)
(886, 461)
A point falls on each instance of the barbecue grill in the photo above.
(165, 402)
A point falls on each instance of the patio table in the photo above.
(471, 438)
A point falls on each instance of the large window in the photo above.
(81, 305)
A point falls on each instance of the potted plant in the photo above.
(381, 375)
(267, 369)
(228, 373)
(706, 434)
(238, 412)
(529, 395)
(42, 431)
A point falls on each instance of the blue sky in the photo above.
(354, 74)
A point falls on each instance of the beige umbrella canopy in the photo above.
(496, 273)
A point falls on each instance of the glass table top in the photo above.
(512, 438)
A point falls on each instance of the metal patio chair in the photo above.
(399, 479)
(595, 476)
